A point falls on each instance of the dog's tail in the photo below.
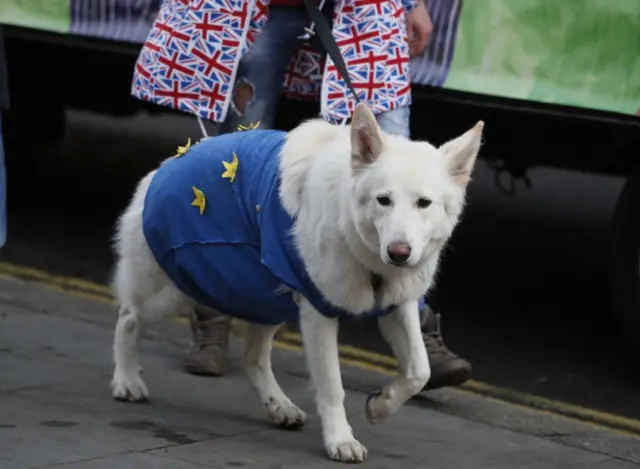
(129, 223)
(128, 240)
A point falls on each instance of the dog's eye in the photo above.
(384, 200)
(423, 202)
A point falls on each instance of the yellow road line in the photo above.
(349, 355)
(65, 283)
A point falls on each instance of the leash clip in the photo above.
(309, 32)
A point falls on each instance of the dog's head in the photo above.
(407, 196)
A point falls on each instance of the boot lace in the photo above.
(213, 332)
(220, 332)
(431, 333)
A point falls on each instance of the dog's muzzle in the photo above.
(399, 252)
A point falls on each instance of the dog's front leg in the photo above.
(320, 337)
(401, 329)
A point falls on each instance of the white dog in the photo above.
(319, 224)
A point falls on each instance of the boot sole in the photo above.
(199, 370)
(453, 378)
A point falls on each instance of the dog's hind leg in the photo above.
(320, 337)
(257, 364)
(127, 383)
(401, 329)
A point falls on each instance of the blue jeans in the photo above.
(264, 67)
(3, 193)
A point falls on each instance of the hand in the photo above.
(419, 28)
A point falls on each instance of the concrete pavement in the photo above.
(56, 409)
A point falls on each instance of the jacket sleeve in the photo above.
(410, 4)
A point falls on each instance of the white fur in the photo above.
(331, 176)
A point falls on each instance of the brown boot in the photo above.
(447, 368)
(209, 354)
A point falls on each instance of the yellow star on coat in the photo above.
(182, 150)
(200, 200)
(230, 168)
(251, 126)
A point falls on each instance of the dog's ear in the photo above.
(366, 141)
(461, 153)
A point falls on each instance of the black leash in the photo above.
(329, 43)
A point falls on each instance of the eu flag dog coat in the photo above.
(215, 224)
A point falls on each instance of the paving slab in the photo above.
(56, 409)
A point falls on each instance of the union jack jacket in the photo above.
(191, 55)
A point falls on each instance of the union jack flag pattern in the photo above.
(191, 55)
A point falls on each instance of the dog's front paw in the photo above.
(350, 451)
(129, 387)
(376, 408)
(285, 414)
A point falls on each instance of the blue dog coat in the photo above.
(221, 234)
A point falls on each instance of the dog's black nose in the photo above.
(399, 252)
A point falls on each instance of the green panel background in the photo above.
(573, 52)
(49, 15)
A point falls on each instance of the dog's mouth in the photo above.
(399, 263)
